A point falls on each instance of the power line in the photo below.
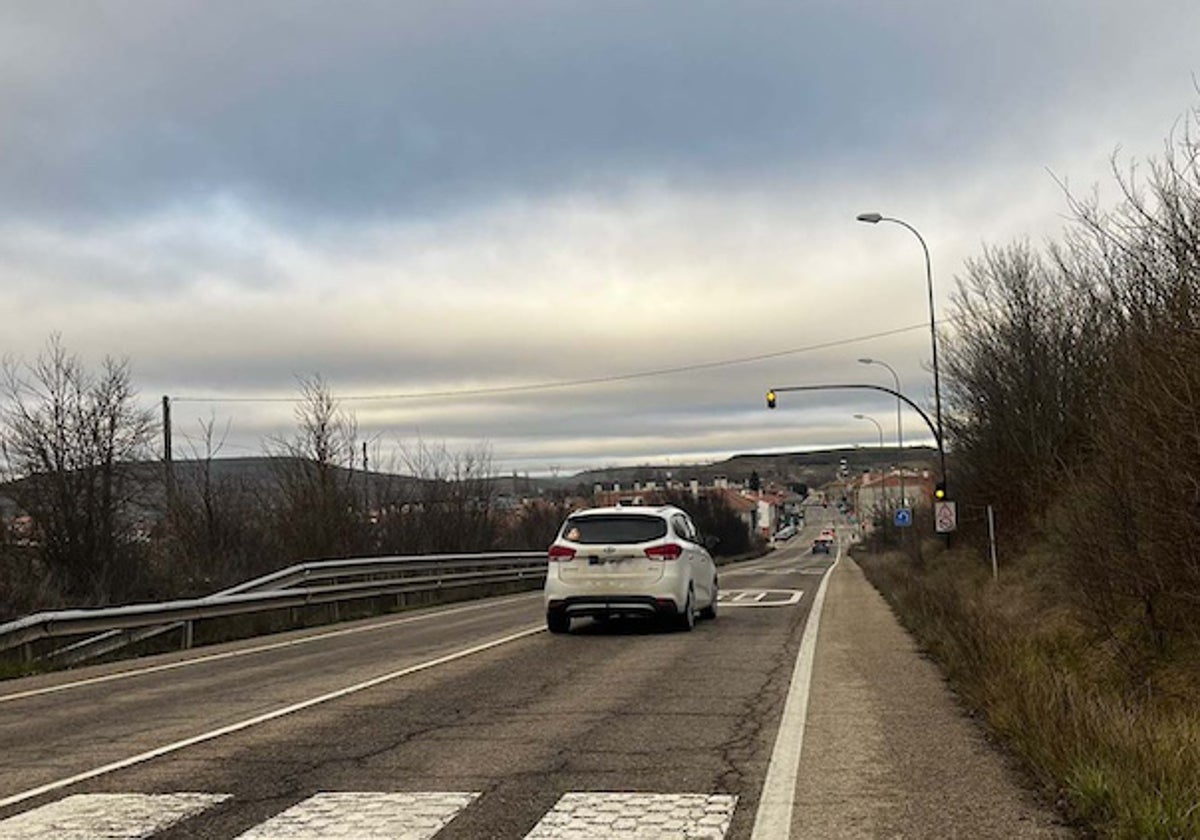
(574, 383)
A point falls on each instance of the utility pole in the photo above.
(168, 463)
(366, 482)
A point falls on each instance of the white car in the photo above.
(634, 560)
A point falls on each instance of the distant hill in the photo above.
(261, 475)
(813, 468)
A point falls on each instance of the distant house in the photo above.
(746, 508)
(759, 512)
(878, 493)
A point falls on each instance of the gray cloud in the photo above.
(423, 197)
(340, 112)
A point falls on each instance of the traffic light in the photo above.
(939, 490)
(770, 399)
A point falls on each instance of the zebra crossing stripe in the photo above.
(628, 816)
(364, 816)
(378, 816)
(106, 816)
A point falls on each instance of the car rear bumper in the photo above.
(605, 605)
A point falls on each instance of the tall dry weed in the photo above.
(1122, 761)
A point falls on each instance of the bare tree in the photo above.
(448, 503)
(1075, 391)
(71, 437)
(319, 511)
(1024, 372)
(214, 533)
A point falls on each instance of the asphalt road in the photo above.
(490, 727)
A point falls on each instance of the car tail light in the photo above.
(667, 551)
(561, 552)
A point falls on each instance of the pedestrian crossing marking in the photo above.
(379, 816)
(364, 816)
(106, 816)
(759, 597)
(631, 816)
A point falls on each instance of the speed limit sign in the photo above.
(945, 517)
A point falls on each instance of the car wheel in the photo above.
(687, 619)
(710, 612)
(557, 622)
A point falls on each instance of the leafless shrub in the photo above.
(1075, 387)
(448, 505)
(1023, 372)
(533, 525)
(214, 533)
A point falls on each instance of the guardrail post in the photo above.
(333, 610)
(27, 652)
(189, 634)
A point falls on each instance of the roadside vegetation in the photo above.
(1073, 398)
(90, 516)
(96, 519)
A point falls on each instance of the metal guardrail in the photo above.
(320, 582)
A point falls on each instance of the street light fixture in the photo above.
(899, 423)
(877, 426)
(876, 218)
(882, 470)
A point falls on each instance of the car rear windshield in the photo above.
(614, 528)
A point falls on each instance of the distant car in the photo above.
(785, 533)
(823, 544)
(648, 561)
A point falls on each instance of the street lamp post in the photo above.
(876, 218)
(882, 470)
(899, 422)
(877, 426)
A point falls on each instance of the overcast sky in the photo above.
(415, 198)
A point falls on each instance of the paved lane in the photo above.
(514, 739)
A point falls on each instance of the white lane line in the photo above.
(774, 818)
(364, 816)
(215, 657)
(106, 816)
(628, 816)
(267, 716)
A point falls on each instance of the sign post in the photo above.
(945, 517)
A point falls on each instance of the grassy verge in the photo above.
(1119, 751)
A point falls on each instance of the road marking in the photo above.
(364, 816)
(215, 657)
(267, 716)
(759, 597)
(626, 816)
(379, 816)
(774, 818)
(107, 816)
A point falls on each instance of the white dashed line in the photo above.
(267, 716)
(230, 654)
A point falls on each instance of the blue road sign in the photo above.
(903, 518)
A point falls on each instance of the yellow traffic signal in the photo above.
(770, 399)
(939, 490)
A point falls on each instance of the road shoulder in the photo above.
(888, 750)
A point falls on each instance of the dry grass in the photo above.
(1120, 752)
